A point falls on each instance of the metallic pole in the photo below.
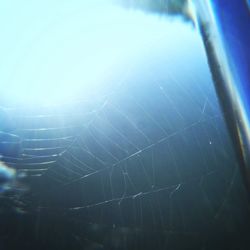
(225, 29)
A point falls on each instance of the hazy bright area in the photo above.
(57, 51)
(111, 124)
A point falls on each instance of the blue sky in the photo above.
(55, 51)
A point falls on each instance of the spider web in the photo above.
(144, 163)
(129, 161)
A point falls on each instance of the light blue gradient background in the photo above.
(59, 51)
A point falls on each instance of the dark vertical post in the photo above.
(225, 29)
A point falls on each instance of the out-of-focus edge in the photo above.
(227, 83)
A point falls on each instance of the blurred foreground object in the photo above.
(7, 177)
(11, 190)
(162, 7)
(225, 29)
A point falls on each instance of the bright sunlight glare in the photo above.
(59, 51)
